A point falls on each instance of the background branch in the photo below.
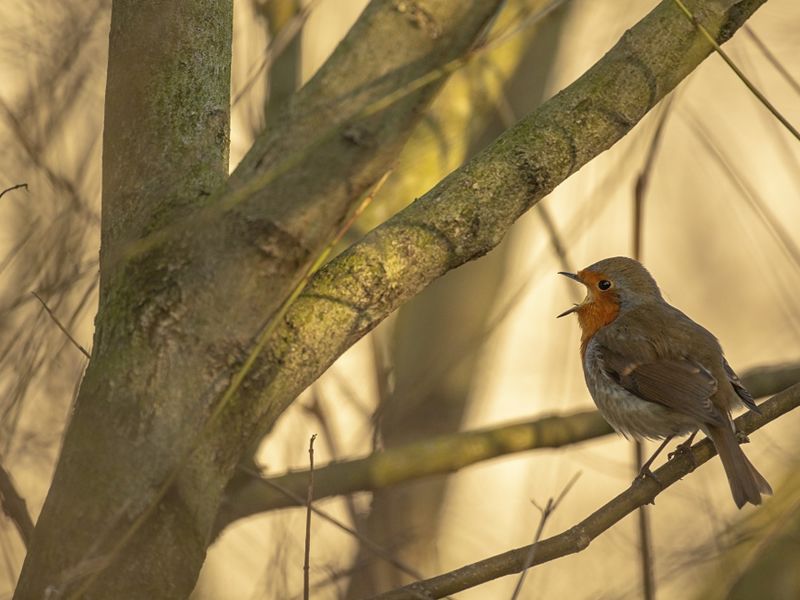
(15, 508)
(444, 454)
(435, 456)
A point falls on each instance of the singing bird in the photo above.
(654, 373)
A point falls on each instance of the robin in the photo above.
(654, 373)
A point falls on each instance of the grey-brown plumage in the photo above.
(655, 373)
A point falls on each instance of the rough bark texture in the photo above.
(161, 354)
(183, 295)
(165, 144)
(436, 349)
(470, 211)
(188, 280)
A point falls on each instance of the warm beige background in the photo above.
(713, 258)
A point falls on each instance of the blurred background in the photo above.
(480, 347)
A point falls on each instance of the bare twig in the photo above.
(750, 193)
(61, 327)
(15, 508)
(548, 510)
(12, 188)
(375, 548)
(643, 179)
(559, 248)
(645, 534)
(578, 537)
(317, 410)
(750, 86)
(309, 500)
(639, 194)
(795, 85)
(276, 46)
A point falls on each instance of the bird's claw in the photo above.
(646, 473)
(680, 449)
(742, 438)
(684, 449)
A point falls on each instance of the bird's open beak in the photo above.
(569, 311)
(572, 276)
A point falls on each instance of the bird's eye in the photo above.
(604, 284)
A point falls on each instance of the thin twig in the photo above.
(61, 327)
(15, 508)
(558, 246)
(643, 179)
(276, 46)
(309, 500)
(12, 188)
(750, 193)
(795, 85)
(645, 534)
(577, 538)
(317, 410)
(639, 193)
(372, 546)
(750, 86)
(548, 510)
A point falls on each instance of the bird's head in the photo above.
(613, 285)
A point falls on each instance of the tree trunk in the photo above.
(183, 377)
(193, 264)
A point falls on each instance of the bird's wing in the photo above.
(739, 388)
(676, 383)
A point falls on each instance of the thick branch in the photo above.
(470, 211)
(445, 454)
(771, 379)
(578, 538)
(141, 472)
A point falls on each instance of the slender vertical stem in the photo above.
(645, 536)
(640, 189)
(309, 499)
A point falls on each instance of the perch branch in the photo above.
(578, 537)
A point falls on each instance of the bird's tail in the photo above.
(747, 484)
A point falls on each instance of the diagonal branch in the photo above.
(578, 537)
(15, 508)
(470, 211)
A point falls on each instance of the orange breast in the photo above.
(600, 310)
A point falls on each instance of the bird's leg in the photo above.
(645, 470)
(683, 446)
